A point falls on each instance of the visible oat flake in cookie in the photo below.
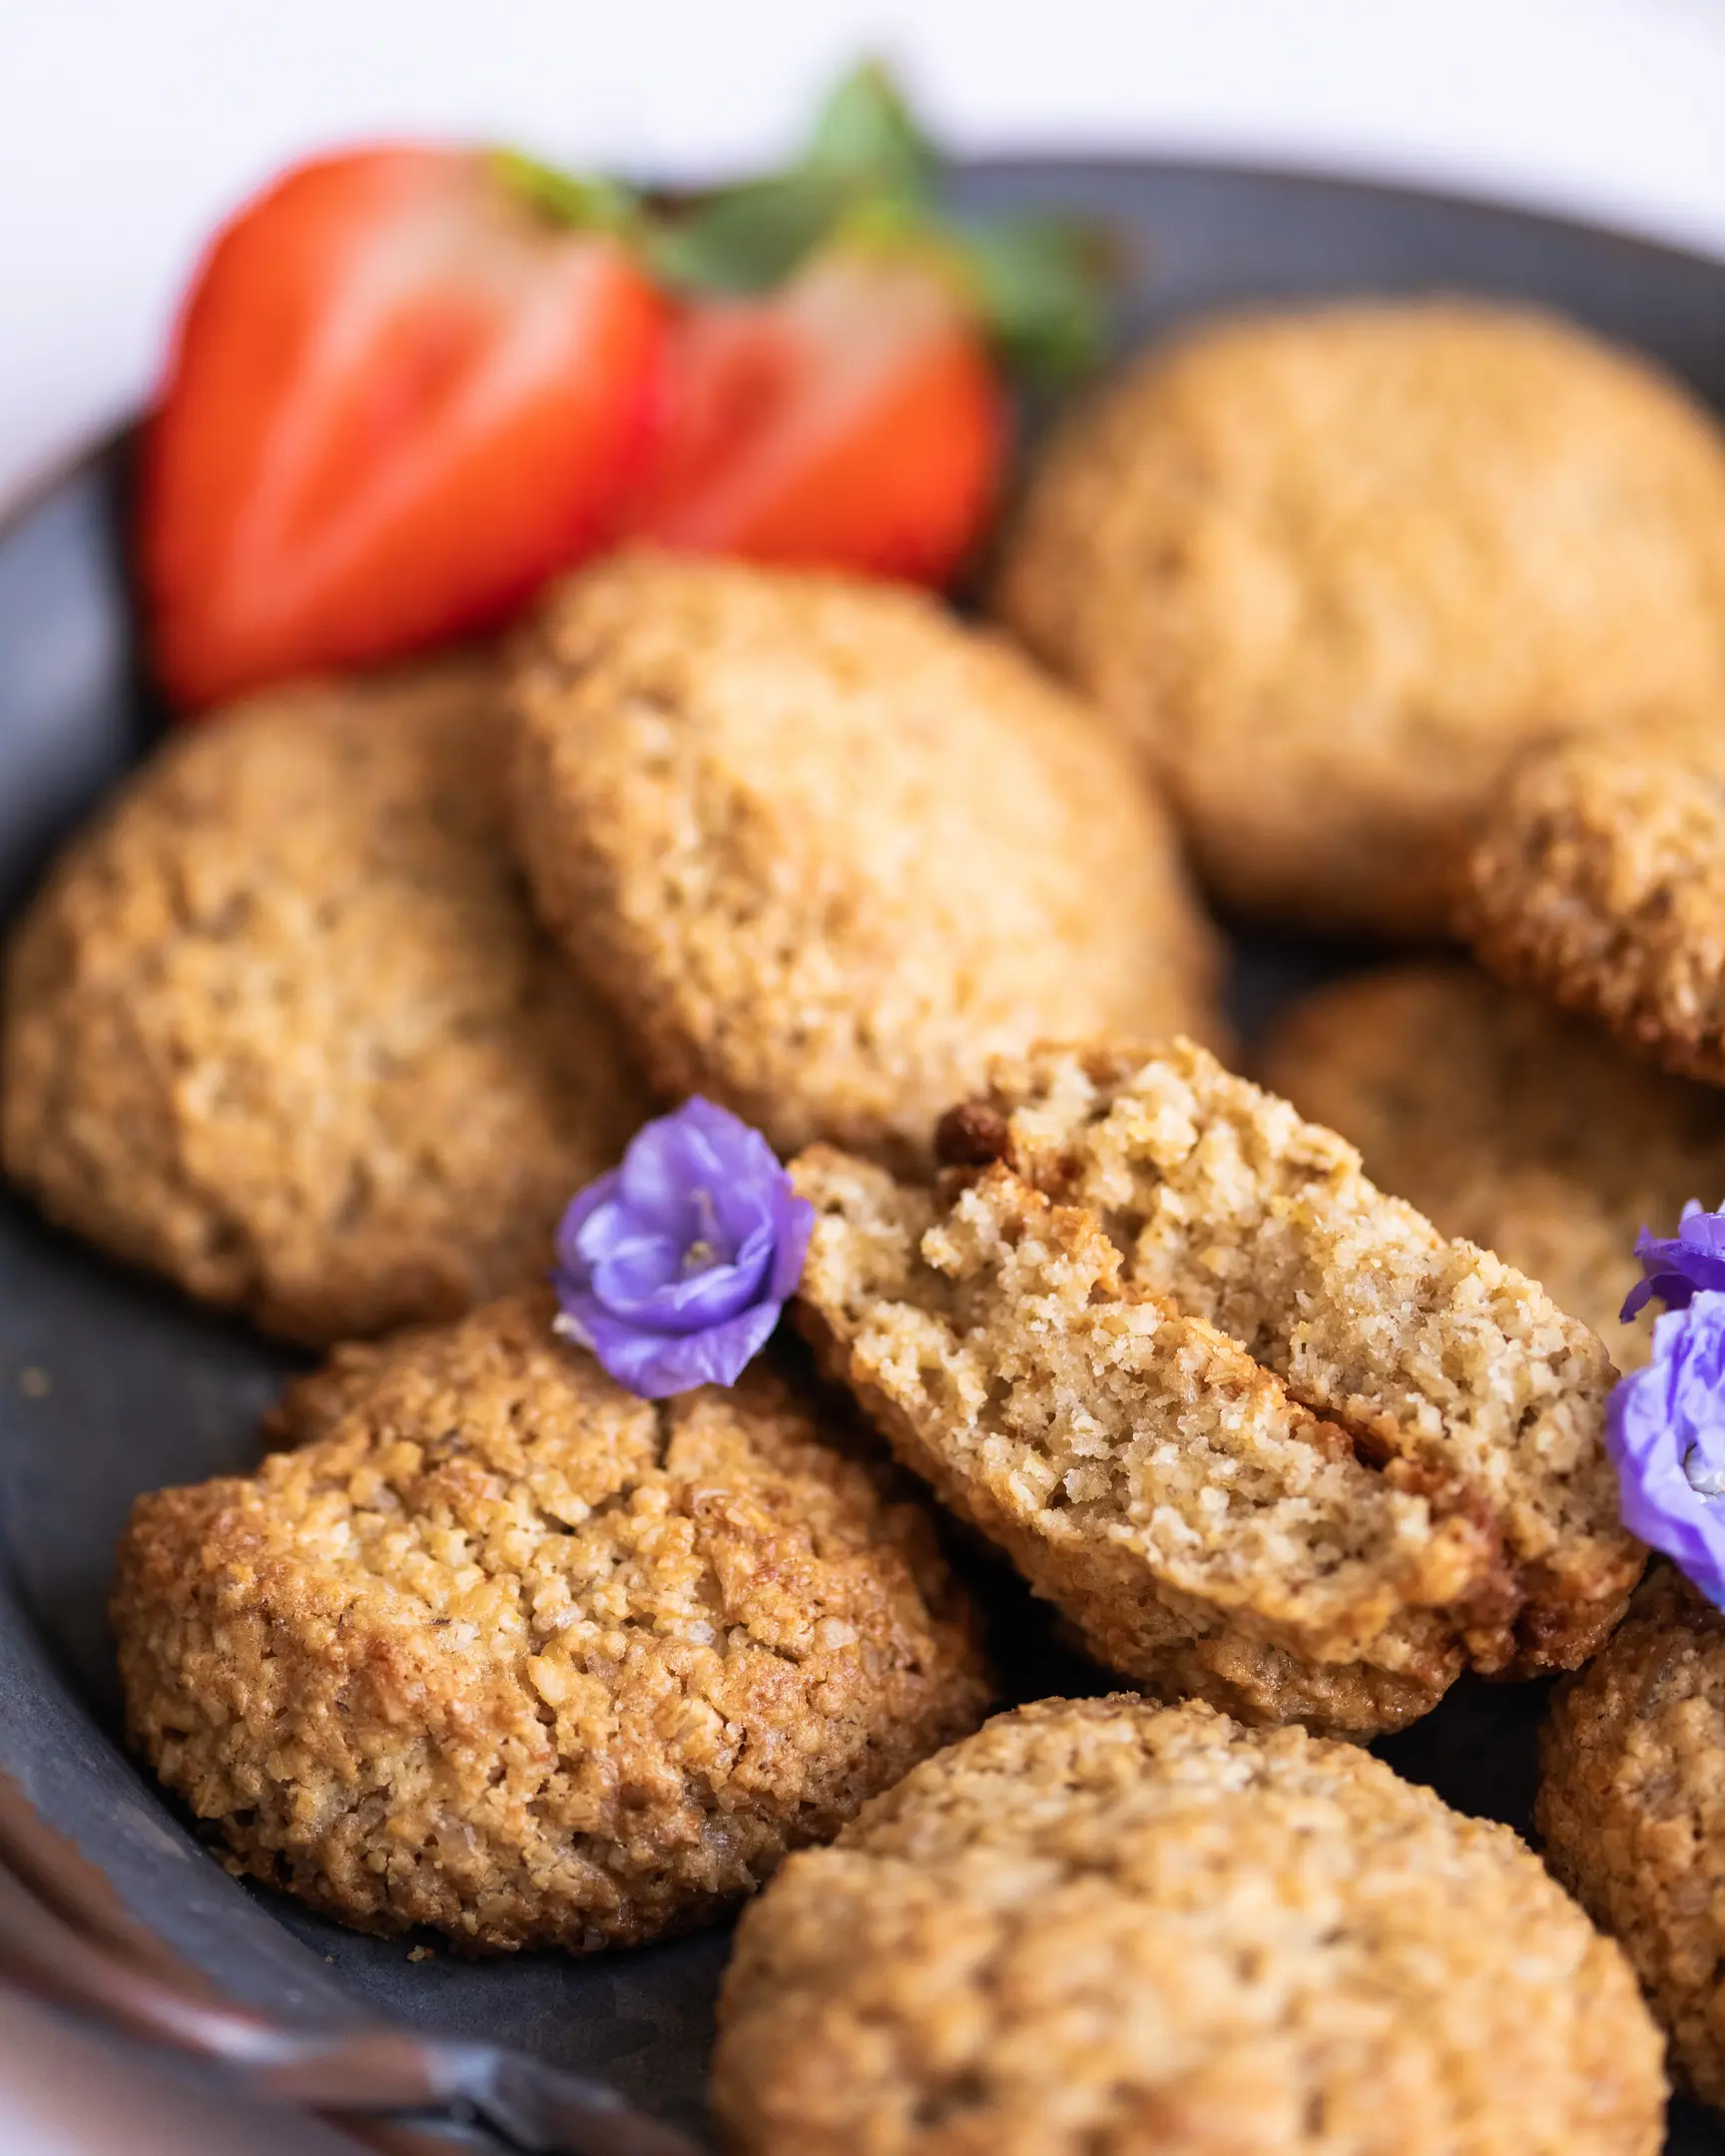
(1258, 1429)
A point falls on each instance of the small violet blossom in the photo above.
(1665, 1429)
(673, 1268)
(1676, 1266)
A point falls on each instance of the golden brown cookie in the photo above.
(1103, 1928)
(281, 1026)
(1332, 567)
(824, 849)
(1506, 1122)
(1259, 1431)
(1599, 881)
(499, 1648)
(1632, 1808)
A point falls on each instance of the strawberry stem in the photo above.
(867, 179)
(574, 201)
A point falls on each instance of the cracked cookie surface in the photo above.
(825, 849)
(282, 1028)
(1331, 568)
(1101, 1928)
(496, 1647)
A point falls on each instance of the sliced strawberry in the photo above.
(398, 398)
(853, 419)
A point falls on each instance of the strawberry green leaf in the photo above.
(1042, 286)
(866, 134)
(865, 150)
(579, 202)
(747, 237)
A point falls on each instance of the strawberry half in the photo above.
(854, 420)
(400, 396)
(833, 389)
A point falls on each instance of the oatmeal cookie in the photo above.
(499, 1648)
(1599, 881)
(1507, 1123)
(281, 1026)
(1261, 1433)
(1632, 1810)
(1332, 567)
(824, 849)
(1101, 1928)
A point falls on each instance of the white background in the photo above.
(127, 125)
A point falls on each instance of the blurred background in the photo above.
(127, 126)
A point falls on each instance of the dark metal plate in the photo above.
(110, 1385)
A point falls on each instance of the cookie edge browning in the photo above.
(1550, 902)
(187, 1576)
(1604, 1845)
(1231, 1657)
(1537, 1635)
(183, 1228)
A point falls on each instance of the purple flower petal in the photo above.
(687, 1300)
(655, 1365)
(654, 1181)
(674, 1267)
(1676, 1266)
(580, 1210)
(1665, 1433)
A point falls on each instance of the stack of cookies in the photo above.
(1402, 622)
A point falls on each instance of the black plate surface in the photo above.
(110, 1385)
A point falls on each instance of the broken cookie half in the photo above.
(1257, 1429)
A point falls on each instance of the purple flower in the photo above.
(1665, 1432)
(674, 1267)
(1676, 1266)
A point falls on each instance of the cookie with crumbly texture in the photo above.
(1204, 1534)
(1632, 1810)
(499, 1648)
(824, 849)
(282, 1026)
(1599, 881)
(1332, 567)
(1507, 1123)
(1099, 1929)
(1261, 1434)
(1430, 1351)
